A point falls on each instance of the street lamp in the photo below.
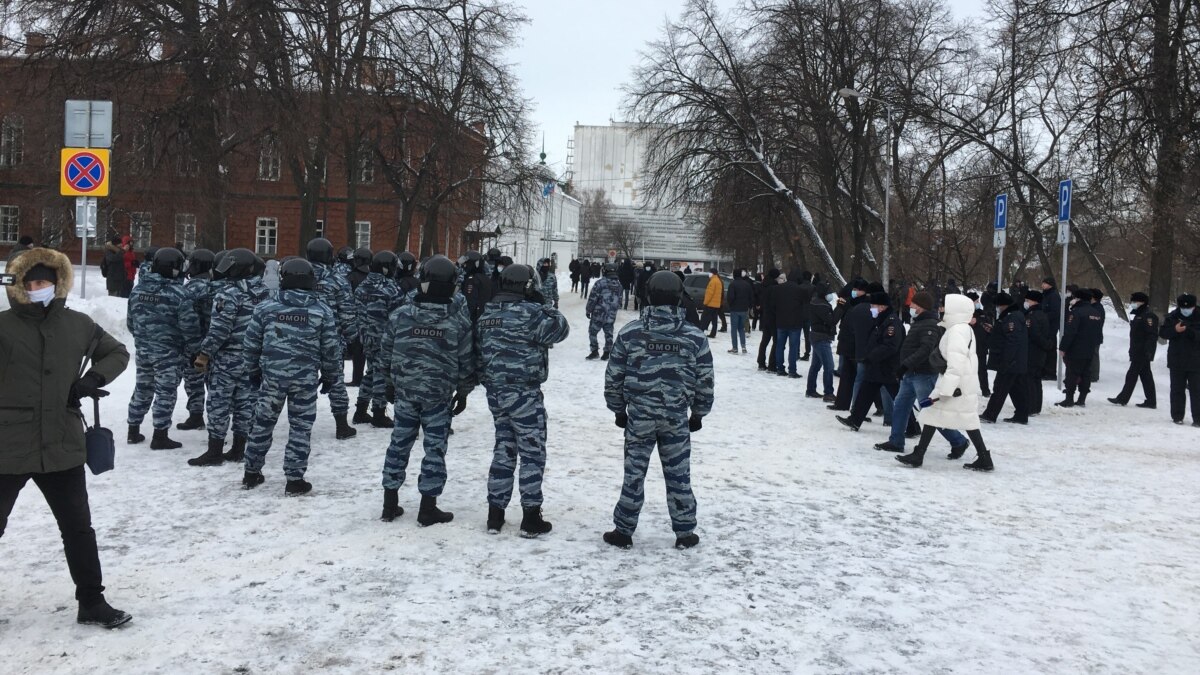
(848, 93)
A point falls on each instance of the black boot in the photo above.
(391, 506)
(1117, 401)
(958, 451)
(430, 514)
(102, 614)
(593, 355)
(983, 462)
(495, 519)
(617, 539)
(194, 422)
(604, 356)
(238, 451)
(361, 416)
(212, 456)
(1068, 402)
(687, 541)
(1082, 400)
(160, 441)
(135, 435)
(344, 430)
(297, 487)
(251, 480)
(532, 524)
(379, 418)
(915, 458)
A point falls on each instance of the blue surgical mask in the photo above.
(855, 294)
(42, 296)
(979, 305)
(1187, 312)
(830, 297)
(1134, 306)
(874, 313)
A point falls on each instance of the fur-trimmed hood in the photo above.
(39, 256)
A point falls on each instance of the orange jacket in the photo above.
(714, 291)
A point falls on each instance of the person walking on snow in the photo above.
(602, 306)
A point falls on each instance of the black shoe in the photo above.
(1196, 424)
(135, 435)
(237, 452)
(1177, 421)
(804, 358)
(102, 614)
(297, 487)
(829, 398)
(391, 506)
(687, 541)
(761, 367)
(982, 463)
(604, 356)
(160, 441)
(794, 376)
(1147, 405)
(887, 446)
(1082, 400)
(361, 416)
(194, 422)
(958, 451)
(354, 383)
(532, 524)
(380, 420)
(986, 394)
(912, 434)
(1068, 402)
(725, 330)
(212, 456)
(619, 540)
(914, 459)
(251, 480)
(495, 521)
(848, 423)
(344, 430)
(812, 394)
(1117, 401)
(593, 355)
(989, 420)
(430, 514)
(836, 408)
(1014, 420)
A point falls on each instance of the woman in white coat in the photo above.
(955, 397)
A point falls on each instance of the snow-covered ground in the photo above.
(1080, 553)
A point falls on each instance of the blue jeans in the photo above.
(791, 337)
(822, 360)
(737, 327)
(915, 387)
(860, 374)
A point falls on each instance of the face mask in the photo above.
(499, 268)
(1028, 305)
(1135, 306)
(979, 305)
(830, 297)
(874, 313)
(1187, 312)
(855, 294)
(43, 296)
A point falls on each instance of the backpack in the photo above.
(937, 362)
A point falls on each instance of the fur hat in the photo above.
(1082, 294)
(875, 287)
(1186, 300)
(1035, 296)
(1003, 299)
(924, 300)
(860, 285)
(40, 257)
(1140, 297)
(880, 298)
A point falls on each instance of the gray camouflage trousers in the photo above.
(593, 335)
(301, 399)
(520, 419)
(155, 388)
(339, 399)
(193, 385)
(669, 432)
(373, 387)
(229, 396)
(412, 416)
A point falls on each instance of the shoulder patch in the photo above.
(292, 318)
(660, 347)
(491, 323)
(427, 332)
(891, 331)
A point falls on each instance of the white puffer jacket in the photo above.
(962, 371)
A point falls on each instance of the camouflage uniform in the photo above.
(659, 368)
(201, 292)
(289, 339)
(514, 339)
(602, 305)
(335, 292)
(376, 298)
(550, 290)
(165, 329)
(230, 395)
(429, 354)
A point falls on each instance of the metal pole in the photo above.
(87, 143)
(1062, 305)
(887, 203)
(1000, 272)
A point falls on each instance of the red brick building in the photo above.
(157, 193)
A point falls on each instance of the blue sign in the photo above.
(1001, 212)
(1064, 200)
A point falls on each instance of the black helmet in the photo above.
(297, 273)
(362, 260)
(610, 270)
(216, 274)
(259, 266)
(503, 263)
(544, 264)
(319, 250)
(518, 279)
(200, 263)
(384, 263)
(408, 264)
(664, 288)
(150, 253)
(168, 263)
(345, 254)
(493, 254)
(437, 277)
(471, 262)
(238, 264)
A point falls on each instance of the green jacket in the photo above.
(41, 350)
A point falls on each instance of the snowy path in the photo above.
(1081, 553)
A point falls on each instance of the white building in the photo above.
(550, 230)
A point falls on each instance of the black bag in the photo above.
(937, 362)
(101, 449)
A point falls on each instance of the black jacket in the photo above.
(1081, 337)
(861, 323)
(789, 304)
(626, 274)
(882, 352)
(689, 309)
(1052, 305)
(770, 290)
(922, 340)
(741, 295)
(1041, 340)
(846, 344)
(477, 289)
(1143, 334)
(1008, 344)
(983, 331)
(1184, 351)
(820, 316)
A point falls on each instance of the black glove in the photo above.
(87, 386)
(537, 297)
(255, 380)
(326, 385)
(900, 371)
(695, 423)
(390, 393)
(555, 304)
(622, 419)
(460, 404)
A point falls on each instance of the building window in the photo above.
(140, 228)
(362, 234)
(269, 159)
(10, 224)
(320, 230)
(186, 163)
(185, 230)
(12, 140)
(266, 231)
(366, 164)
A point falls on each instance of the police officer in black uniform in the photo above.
(1181, 329)
(1008, 355)
(1080, 340)
(1143, 343)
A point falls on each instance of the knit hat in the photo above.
(1003, 299)
(973, 296)
(924, 300)
(1186, 300)
(1049, 281)
(41, 272)
(880, 298)
(1035, 296)
(1139, 297)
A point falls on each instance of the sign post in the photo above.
(84, 172)
(1065, 190)
(999, 235)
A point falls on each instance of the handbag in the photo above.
(101, 449)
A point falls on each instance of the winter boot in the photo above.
(380, 420)
(238, 451)
(593, 355)
(1117, 401)
(958, 451)
(532, 524)
(297, 487)
(495, 519)
(849, 423)
(194, 422)
(135, 435)
(344, 430)
(1068, 402)
(102, 614)
(361, 416)
(915, 458)
(687, 541)
(251, 480)
(983, 462)
(391, 506)
(604, 356)
(430, 514)
(160, 441)
(212, 456)
(619, 540)
(1082, 400)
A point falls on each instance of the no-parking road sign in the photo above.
(84, 172)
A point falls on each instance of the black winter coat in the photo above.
(770, 290)
(1041, 340)
(983, 331)
(861, 323)
(1008, 344)
(1082, 335)
(477, 289)
(820, 316)
(922, 340)
(882, 352)
(1052, 304)
(1184, 349)
(1143, 334)
(846, 345)
(789, 306)
(741, 295)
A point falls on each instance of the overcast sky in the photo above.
(575, 56)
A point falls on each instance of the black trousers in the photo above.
(983, 376)
(1033, 382)
(358, 358)
(1139, 369)
(1185, 383)
(1006, 385)
(1078, 375)
(709, 318)
(66, 493)
(765, 353)
(584, 285)
(871, 393)
(845, 388)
